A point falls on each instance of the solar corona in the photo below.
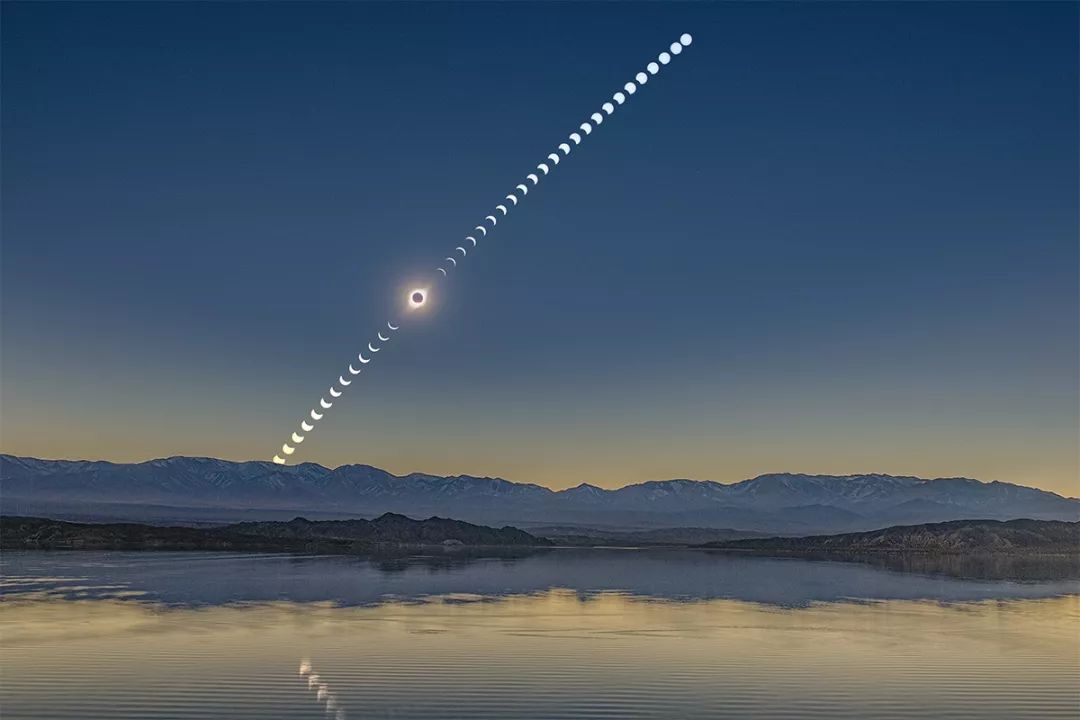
(417, 297)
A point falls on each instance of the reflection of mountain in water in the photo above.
(991, 567)
(220, 578)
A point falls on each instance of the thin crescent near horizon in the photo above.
(442, 271)
(278, 460)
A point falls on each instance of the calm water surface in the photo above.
(574, 634)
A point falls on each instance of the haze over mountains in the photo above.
(210, 489)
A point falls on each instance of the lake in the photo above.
(557, 634)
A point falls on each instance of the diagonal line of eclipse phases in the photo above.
(418, 296)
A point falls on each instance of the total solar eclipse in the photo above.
(417, 297)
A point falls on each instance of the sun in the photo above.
(417, 298)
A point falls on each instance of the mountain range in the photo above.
(208, 489)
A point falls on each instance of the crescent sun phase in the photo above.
(416, 299)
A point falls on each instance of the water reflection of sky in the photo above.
(220, 578)
(540, 656)
(557, 635)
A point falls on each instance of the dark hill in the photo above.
(389, 528)
(957, 536)
(298, 535)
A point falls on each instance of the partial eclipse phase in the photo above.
(417, 297)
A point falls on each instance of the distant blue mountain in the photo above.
(206, 488)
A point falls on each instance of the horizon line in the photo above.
(278, 467)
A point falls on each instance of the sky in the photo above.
(827, 238)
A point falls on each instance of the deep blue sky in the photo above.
(826, 238)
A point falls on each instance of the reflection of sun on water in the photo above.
(556, 653)
(322, 691)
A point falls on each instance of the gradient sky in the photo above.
(828, 238)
